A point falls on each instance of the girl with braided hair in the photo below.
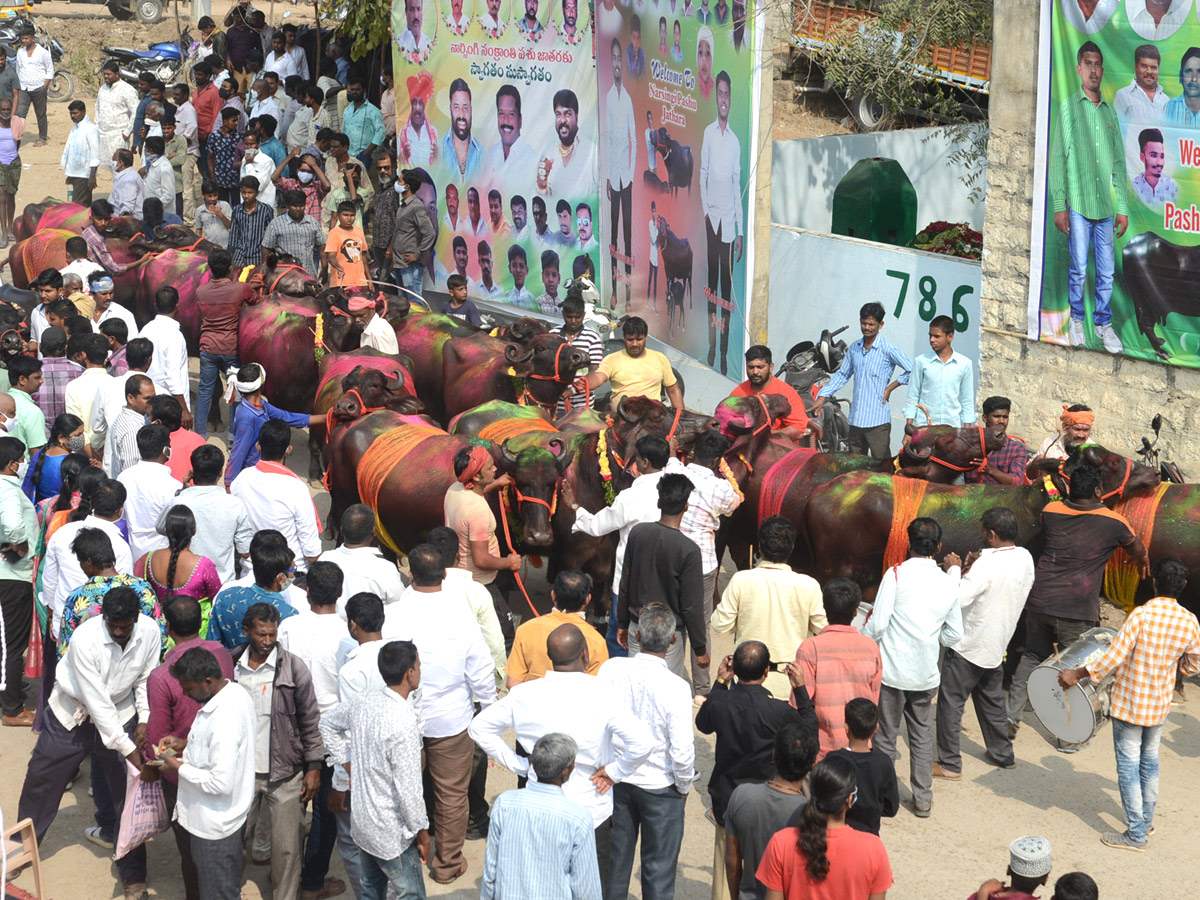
(822, 858)
(175, 569)
(43, 478)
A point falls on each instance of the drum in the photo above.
(864, 610)
(1073, 716)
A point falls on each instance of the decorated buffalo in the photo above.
(50, 213)
(422, 335)
(498, 419)
(1160, 277)
(855, 522)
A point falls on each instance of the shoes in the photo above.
(461, 872)
(95, 834)
(136, 891)
(1013, 728)
(1112, 343)
(997, 763)
(1122, 841)
(22, 720)
(1075, 333)
(1150, 831)
(475, 833)
(333, 887)
(41, 143)
(939, 772)
(922, 812)
(1071, 748)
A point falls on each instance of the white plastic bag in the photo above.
(145, 812)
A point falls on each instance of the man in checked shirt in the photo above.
(1157, 638)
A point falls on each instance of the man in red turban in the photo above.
(418, 138)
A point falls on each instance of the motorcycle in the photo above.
(809, 368)
(62, 86)
(163, 61)
(1150, 455)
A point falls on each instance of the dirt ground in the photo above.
(1070, 799)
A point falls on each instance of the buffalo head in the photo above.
(371, 389)
(280, 273)
(746, 421)
(522, 330)
(1120, 476)
(171, 237)
(535, 471)
(546, 357)
(939, 453)
(636, 417)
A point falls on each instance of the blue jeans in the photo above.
(1137, 774)
(658, 815)
(411, 278)
(403, 873)
(1095, 235)
(210, 365)
(610, 636)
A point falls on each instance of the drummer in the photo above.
(1080, 534)
(1156, 639)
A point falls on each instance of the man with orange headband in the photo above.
(377, 332)
(1076, 431)
(418, 138)
(468, 513)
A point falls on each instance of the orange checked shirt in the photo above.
(1154, 640)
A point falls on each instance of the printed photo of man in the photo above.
(1157, 20)
(512, 157)
(1142, 101)
(461, 153)
(569, 27)
(497, 224)
(1152, 186)
(1088, 16)
(412, 40)
(565, 236)
(584, 241)
(568, 167)
(528, 24)
(721, 199)
(1087, 193)
(457, 21)
(520, 217)
(622, 163)
(418, 138)
(476, 224)
(492, 20)
(1184, 110)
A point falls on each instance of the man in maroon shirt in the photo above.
(172, 713)
(220, 303)
(207, 102)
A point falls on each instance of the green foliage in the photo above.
(367, 23)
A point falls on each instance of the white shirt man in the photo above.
(128, 193)
(81, 394)
(1134, 105)
(1144, 25)
(150, 488)
(223, 526)
(281, 502)
(364, 569)
(116, 106)
(1091, 24)
(283, 65)
(81, 152)
(380, 335)
(621, 158)
(169, 365)
(577, 704)
(455, 662)
(991, 595)
(187, 125)
(519, 164)
(61, 572)
(409, 44)
(576, 177)
(216, 780)
(359, 672)
(315, 638)
(261, 167)
(34, 69)
(721, 180)
(117, 311)
(160, 182)
(483, 611)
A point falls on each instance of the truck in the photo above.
(817, 24)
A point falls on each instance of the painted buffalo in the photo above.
(503, 416)
(421, 335)
(677, 158)
(1160, 278)
(50, 213)
(677, 269)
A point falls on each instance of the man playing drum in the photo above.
(1156, 639)
(1081, 534)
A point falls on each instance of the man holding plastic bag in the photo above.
(98, 705)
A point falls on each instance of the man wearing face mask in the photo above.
(270, 581)
(414, 234)
(260, 166)
(310, 181)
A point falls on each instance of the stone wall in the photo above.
(1040, 378)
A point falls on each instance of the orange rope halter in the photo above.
(1121, 577)
(500, 431)
(382, 458)
(508, 540)
(907, 494)
(362, 405)
(982, 453)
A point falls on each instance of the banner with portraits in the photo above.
(496, 102)
(1115, 245)
(678, 84)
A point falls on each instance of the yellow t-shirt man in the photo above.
(529, 659)
(642, 376)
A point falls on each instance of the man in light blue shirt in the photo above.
(461, 153)
(362, 122)
(943, 382)
(1184, 111)
(541, 846)
(870, 361)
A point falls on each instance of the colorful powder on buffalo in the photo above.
(1121, 576)
(907, 494)
(381, 459)
(778, 481)
(501, 431)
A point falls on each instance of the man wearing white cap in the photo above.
(377, 333)
(1028, 867)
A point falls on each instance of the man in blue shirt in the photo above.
(943, 382)
(252, 413)
(362, 122)
(870, 361)
(274, 569)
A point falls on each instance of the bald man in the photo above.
(569, 700)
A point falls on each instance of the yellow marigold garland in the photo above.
(610, 495)
(727, 474)
(319, 339)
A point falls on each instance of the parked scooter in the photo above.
(1150, 455)
(62, 86)
(809, 368)
(163, 61)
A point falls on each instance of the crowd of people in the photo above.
(183, 620)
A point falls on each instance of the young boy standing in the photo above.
(458, 305)
(548, 302)
(518, 268)
(942, 381)
(345, 250)
(878, 793)
(574, 332)
(870, 361)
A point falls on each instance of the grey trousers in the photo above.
(701, 682)
(961, 679)
(219, 866)
(281, 799)
(349, 851)
(915, 708)
(676, 655)
(1042, 632)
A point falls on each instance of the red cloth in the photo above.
(182, 444)
(798, 417)
(207, 101)
(858, 866)
(280, 469)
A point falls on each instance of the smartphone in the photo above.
(777, 666)
(157, 763)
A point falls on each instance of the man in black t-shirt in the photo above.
(1081, 534)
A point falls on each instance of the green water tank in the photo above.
(876, 202)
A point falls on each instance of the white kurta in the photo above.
(116, 106)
